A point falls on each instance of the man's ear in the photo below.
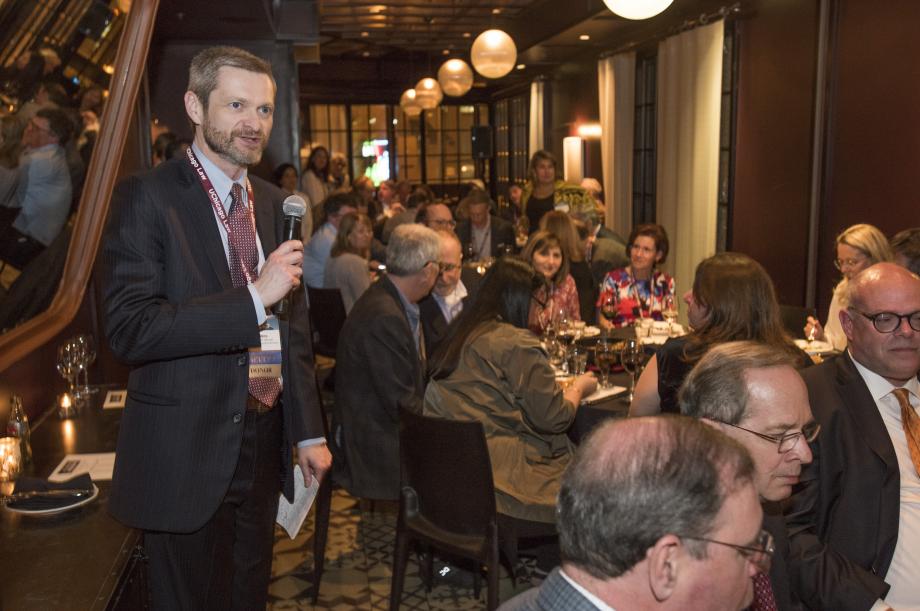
(663, 563)
(194, 108)
(846, 321)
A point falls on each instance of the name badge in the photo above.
(265, 361)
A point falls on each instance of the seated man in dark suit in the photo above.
(606, 249)
(754, 394)
(380, 364)
(655, 513)
(854, 525)
(484, 235)
(454, 287)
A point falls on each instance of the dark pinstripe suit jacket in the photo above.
(172, 313)
(554, 594)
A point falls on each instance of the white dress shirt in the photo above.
(904, 573)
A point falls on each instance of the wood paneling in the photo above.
(777, 46)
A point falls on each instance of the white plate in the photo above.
(56, 510)
(815, 347)
(591, 332)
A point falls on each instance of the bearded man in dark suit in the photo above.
(854, 525)
(219, 392)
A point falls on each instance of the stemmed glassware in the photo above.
(631, 360)
(67, 366)
(604, 358)
(669, 312)
(609, 305)
(86, 348)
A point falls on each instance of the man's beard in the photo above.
(222, 144)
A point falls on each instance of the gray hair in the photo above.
(410, 248)
(717, 388)
(637, 480)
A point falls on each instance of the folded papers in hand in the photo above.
(36, 484)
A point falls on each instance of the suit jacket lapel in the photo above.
(203, 220)
(861, 407)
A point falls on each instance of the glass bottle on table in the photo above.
(18, 426)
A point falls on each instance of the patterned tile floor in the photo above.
(357, 573)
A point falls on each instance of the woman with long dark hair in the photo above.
(556, 295)
(492, 369)
(732, 299)
(315, 179)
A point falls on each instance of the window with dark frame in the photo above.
(512, 154)
(644, 140)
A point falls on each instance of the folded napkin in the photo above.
(36, 484)
(602, 393)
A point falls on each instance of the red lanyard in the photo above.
(219, 206)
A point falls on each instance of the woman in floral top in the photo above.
(557, 297)
(638, 290)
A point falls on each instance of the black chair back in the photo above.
(446, 472)
(327, 314)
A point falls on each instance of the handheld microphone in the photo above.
(294, 207)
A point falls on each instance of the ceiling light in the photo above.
(455, 77)
(496, 11)
(428, 93)
(466, 34)
(378, 8)
(409, 103)
(365, 34)
(584, 37)
(637, 9)
(366, 54)
(445, 52)
(521, 66)
(493, 54)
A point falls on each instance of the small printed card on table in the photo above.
(99, 467)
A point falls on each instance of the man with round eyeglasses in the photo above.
(753, 393)
(854, 524)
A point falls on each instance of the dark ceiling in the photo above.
(425, 32)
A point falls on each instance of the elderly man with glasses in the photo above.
(854, 525)
(752, 393)
(655, 513)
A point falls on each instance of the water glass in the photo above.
(604, 358)
(578, 359)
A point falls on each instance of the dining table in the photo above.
(80, 559)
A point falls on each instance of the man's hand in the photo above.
(281, 272)
(314, 461)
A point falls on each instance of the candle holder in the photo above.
(66, 406)
(10, 458)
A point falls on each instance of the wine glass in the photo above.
(669, 312)
(67, 365)
(631, 360)
(604, 358)
(609, 303)
(86, 348)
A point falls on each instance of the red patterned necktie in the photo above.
(242, 245)
(763, 594)
(911, 423)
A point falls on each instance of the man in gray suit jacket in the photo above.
(655, 513)
(192, 259)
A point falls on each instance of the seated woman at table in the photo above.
(732, 299)
(563, 227)
(556, 296)
(858, 247)
(637, 290)
(493, 370)
(347, 267)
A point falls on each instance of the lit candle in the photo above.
(66, 407)
(10, 458)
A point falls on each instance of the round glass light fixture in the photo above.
(637, 9)
(428, 93)
(455, 77)
(493, 54)
(408, 101)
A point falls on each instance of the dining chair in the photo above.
(447, 497)
(327, 315)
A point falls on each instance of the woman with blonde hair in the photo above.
(858, 247)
